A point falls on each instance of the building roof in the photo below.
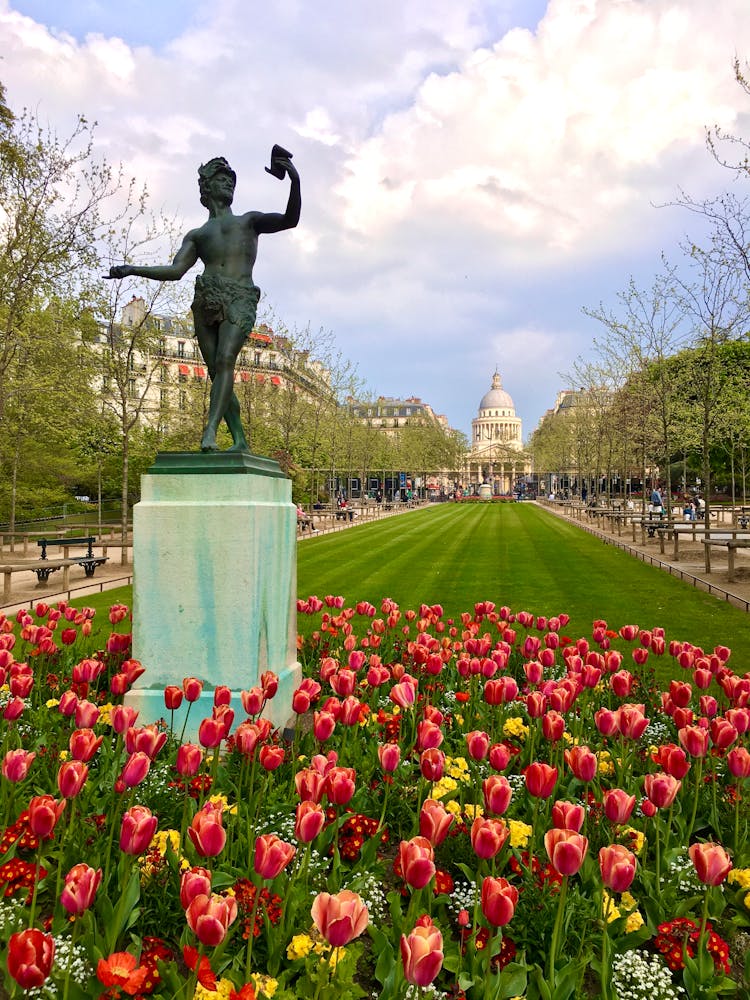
(497, 397)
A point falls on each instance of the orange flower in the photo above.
(206, 976)
(122, 970)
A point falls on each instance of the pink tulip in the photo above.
(661, 789)
(497, 793)
(617, 866)
(389, 755)
(738, 762)
(209, 917)
(607, 722)
(252, 701)
(86, 714)
(553, 726)
(80, 887)
(672, 759)
(403, 694)
(416, 857)
(189, 759)
(694, 740)
(621, 683)
(137, 830)
(135, 769)
(211, 732)
(271, 756)
(172, 697)
(272, 855)
(122, 717)
(711, 861)
(310, 819)
(618, 805)
(488, 836)
(145, 739)
(582, 762)
(432, 764)
(499, 756)
(324, 724)
(632, 722)
(16, 764)
(193, 688)
(499, 899)
(13, 709)
(723, 734)
(434, 821)
(566, 850)
(194, 882)
(477, 744)
(568, 816)
(339, 918)
(422, 952)
(206, 831)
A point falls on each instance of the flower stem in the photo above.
(556, 935)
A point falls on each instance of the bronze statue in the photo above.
(226, 297)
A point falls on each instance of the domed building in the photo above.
(496, 458)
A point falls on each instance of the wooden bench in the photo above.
(731, 545)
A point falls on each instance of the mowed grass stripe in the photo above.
(519, 555)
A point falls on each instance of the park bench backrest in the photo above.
(44, 542)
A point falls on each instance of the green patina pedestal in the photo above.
(215, 573)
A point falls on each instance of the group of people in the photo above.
(693, 508)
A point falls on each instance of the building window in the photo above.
(132, 390)
(180, 348)
(256, 359)
(163, 398)
(183, 399)
(105, 383)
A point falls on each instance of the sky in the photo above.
(474, 173)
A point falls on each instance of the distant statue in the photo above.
(226, 298)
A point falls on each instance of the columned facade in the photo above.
(496, 459)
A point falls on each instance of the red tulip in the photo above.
(723, 733)
(30, 957)
(432, 764)
(194, 882)
(488, 836)
(672, 759)
(621, 683)
(429, 736)
(618, 805)
(403, 694)
(206, 831)
(389, 755)
(499, 899)
(189, 759)
(137, 830)
(146, 739)
(422, 952)
(607, 722)
(617, 866)
(44, 812)
(135, 769)
(566, 850)
(310, 784)
(272, 855)
(71, 777)
(661, 789)
(340, 785)
(417, 861)
(310, 819)
(172, 697)
(86, 714)
(209, 917)
(122, 717)
(211, 732)
(193, 688)
(252, 701)
(271, 756)
(14, 709)
(497, 793)
(694, 740)
(540, 779)
(582, 762)
(324, 724)
(568, 816)
(434, 821)
(340, 918)
(738, 762)
(80, 887)
(553, 726)
(631, 721)
(269, 681)
(711, 861)
(83, 744)
(499, 756)
(16, 764)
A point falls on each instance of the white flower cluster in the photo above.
(656, 732)
(370, 888)
(12, 916)
(682, 872)
(638, 975)
(517, 782)
(423, 993)
(462, 897)
(282, 824)
(69, 958)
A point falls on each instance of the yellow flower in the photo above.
(453, 807)
(740, 876)
(222, 800)
(514, 727)
(611, 911)
(63, 755)
(519, 833)
(105, 714)
(299, 947)
(52, 702)
(746, 901)
(472, 811)
(445, 786)
(633, 838)
(335, 957)
(223, 988)
(266, 985)
(162, 838)
(634, 921)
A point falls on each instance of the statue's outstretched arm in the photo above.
(184, 259)
(274, 222)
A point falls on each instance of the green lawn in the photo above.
(514, 554)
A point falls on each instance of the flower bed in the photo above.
(480, 808)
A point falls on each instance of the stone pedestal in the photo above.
(215, 574)
(485, 491)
